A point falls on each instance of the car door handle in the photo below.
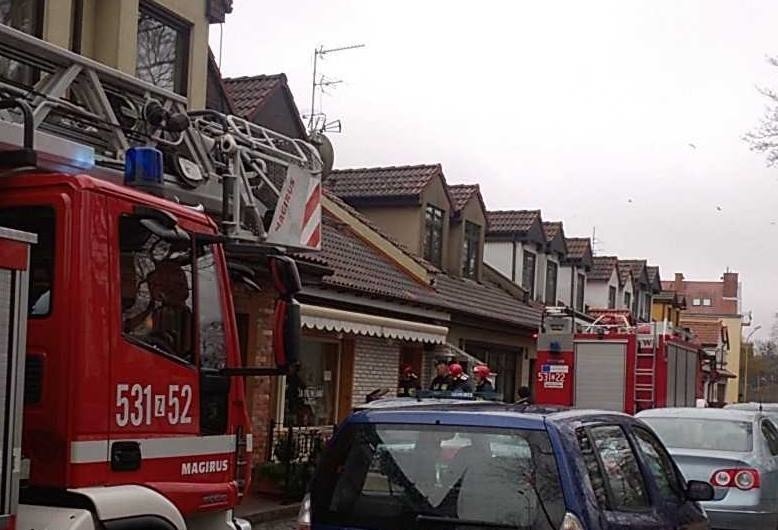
(125, 456)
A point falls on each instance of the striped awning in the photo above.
(328, 319)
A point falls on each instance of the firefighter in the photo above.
(482, 383)
(409, 382)
(524, 398)
(442, 380)
(459, 380)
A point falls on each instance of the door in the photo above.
(666, 484)
(622, 493)
(600, 375)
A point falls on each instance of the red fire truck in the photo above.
(612, 364)
(125, 408)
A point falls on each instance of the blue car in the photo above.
(440, 465)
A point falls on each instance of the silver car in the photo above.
(735, 450)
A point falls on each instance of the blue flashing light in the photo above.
(555, 347)
(143, 167)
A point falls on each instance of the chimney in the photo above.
(730, 285)
(678, 282)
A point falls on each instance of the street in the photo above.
(283, 524)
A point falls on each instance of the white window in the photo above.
(696, 301)
(706, 301)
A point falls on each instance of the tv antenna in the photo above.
(317, 121)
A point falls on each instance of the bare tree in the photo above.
(764, 137)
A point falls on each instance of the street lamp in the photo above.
(745, 365)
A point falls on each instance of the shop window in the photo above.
(310, 396)
(163, 48)
(433, 234)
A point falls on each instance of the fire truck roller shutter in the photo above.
(691, 377)
(672, 361)
(600, 375)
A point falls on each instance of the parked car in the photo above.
(735, 450)
(769, 409)
(438, 465)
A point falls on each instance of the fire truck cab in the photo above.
(612, 364)
(126, 406)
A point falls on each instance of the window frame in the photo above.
(611, 507)
(772, 447)
(677, 482)
(628, 300)
(183, 30)
(434, 218)
(471, 250)
(39, 12)
(195, 317)
(612, 295)
(580, 292)
(524, 276)
(552, 266)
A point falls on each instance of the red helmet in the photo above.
(407, 369)
(482, 370)
(455, 369)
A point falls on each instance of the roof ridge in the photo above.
(280, 75)
(513, 211)
(381, 168)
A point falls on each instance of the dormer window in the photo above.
(551, 277)
(528, 273)
(163, 48)
(470, 250)
(433, 234)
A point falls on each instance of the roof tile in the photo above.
(602, 268)
(383, 182)
(577, 247)
(511, 221)
(249, 93)
(461, 193)
(552, 229)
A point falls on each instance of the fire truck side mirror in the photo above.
(286, 277)
(287, 333)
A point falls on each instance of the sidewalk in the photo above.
(256, 509)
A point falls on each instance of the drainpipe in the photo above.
(572, 295)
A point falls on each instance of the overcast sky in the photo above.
(585, 110)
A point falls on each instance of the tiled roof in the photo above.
(577, 247)
(377, 182)
(624, 272)
(377, 229)
(552, 229)
(708, 333)
(359, 267)
(602, 268)
(486, 300)
(653, 273)
(511, 221)
(250, 93)
(460, 194)
(635, 265)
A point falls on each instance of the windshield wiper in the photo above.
(463, 522)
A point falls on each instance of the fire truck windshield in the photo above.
(39, 220)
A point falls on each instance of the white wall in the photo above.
(497, 254)
(596, 294)
(627, 288)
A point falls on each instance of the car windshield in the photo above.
(703, 433)
(384, 477)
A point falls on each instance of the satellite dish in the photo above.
(326, 152)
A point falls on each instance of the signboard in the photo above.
(553, 375)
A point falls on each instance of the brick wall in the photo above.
(376, 365)
(259, 390)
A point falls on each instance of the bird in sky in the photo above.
(692, 145)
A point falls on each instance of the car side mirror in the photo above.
(697, 490)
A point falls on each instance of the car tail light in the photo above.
(571, 522)
(304, 516)
(741, 478)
